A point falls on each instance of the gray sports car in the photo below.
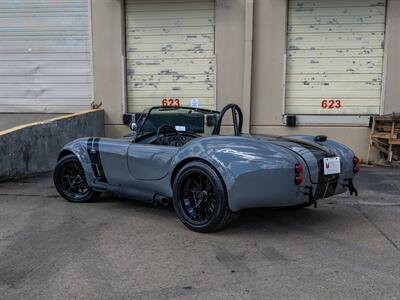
(177, 154)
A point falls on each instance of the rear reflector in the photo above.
(356, 170)
(298, 168)
(298, 179)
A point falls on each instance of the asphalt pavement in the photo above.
(347, 248)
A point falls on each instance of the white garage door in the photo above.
(335, 56)
(45, 60)
(170, 53)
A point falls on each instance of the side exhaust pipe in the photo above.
(162, 200)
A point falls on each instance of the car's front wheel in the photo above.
(200, 198)
(70, 180)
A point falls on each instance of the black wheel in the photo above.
(200, 199)
(70, 181)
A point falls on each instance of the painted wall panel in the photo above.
(335, 57)
(171, 78)
(172, 30)
(342, 19)
(332, 53)
(337, 10)
(170, 52)
(199, 21)
(364, 27)
(335, 3)
(172, 5)
(45, 57)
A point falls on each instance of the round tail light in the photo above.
(356, 170)
(298, 179)
(298, 168)
(356, 160)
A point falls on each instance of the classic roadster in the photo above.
(177, 154)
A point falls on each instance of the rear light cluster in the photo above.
(356, 167)
(298, 168)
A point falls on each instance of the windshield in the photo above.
(193, 120)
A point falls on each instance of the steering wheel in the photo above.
(237, 117)
(164, 132)
(167, 135)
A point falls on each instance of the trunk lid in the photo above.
(312, 154)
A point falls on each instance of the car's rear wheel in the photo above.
(200, 198)
(70, 180)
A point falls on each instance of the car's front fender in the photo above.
(80, 150)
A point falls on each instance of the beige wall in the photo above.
(268, 62)
(268, 76)
(392, 85)
(108, 50)
(229, 38)
(267, 73)
(108, 58)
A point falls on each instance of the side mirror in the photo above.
(133, 126)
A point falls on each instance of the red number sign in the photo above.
(331, 104)
(170, 102)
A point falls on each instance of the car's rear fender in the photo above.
(255, 173)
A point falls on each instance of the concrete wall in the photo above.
(8, 121)
(33, 148)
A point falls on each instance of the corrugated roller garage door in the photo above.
(45, 58)
(335, 56)
(170, 53)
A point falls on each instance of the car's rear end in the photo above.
(267, 171)
(331, 166)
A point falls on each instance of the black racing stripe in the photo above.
(326, 184)
(89, 143)
(96, 145)
(94, 154)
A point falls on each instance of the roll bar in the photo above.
(237, 117)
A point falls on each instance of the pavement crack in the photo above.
(378, 229)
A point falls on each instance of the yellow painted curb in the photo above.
(66, 117)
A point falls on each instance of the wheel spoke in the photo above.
(208, 187)
(201, 181)
(198, 197)
(197, 183)
(73, 180)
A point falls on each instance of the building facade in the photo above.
(310, 66)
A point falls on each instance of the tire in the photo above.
(200, 199)
(70, 181)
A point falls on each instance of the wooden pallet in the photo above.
(385, 136)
